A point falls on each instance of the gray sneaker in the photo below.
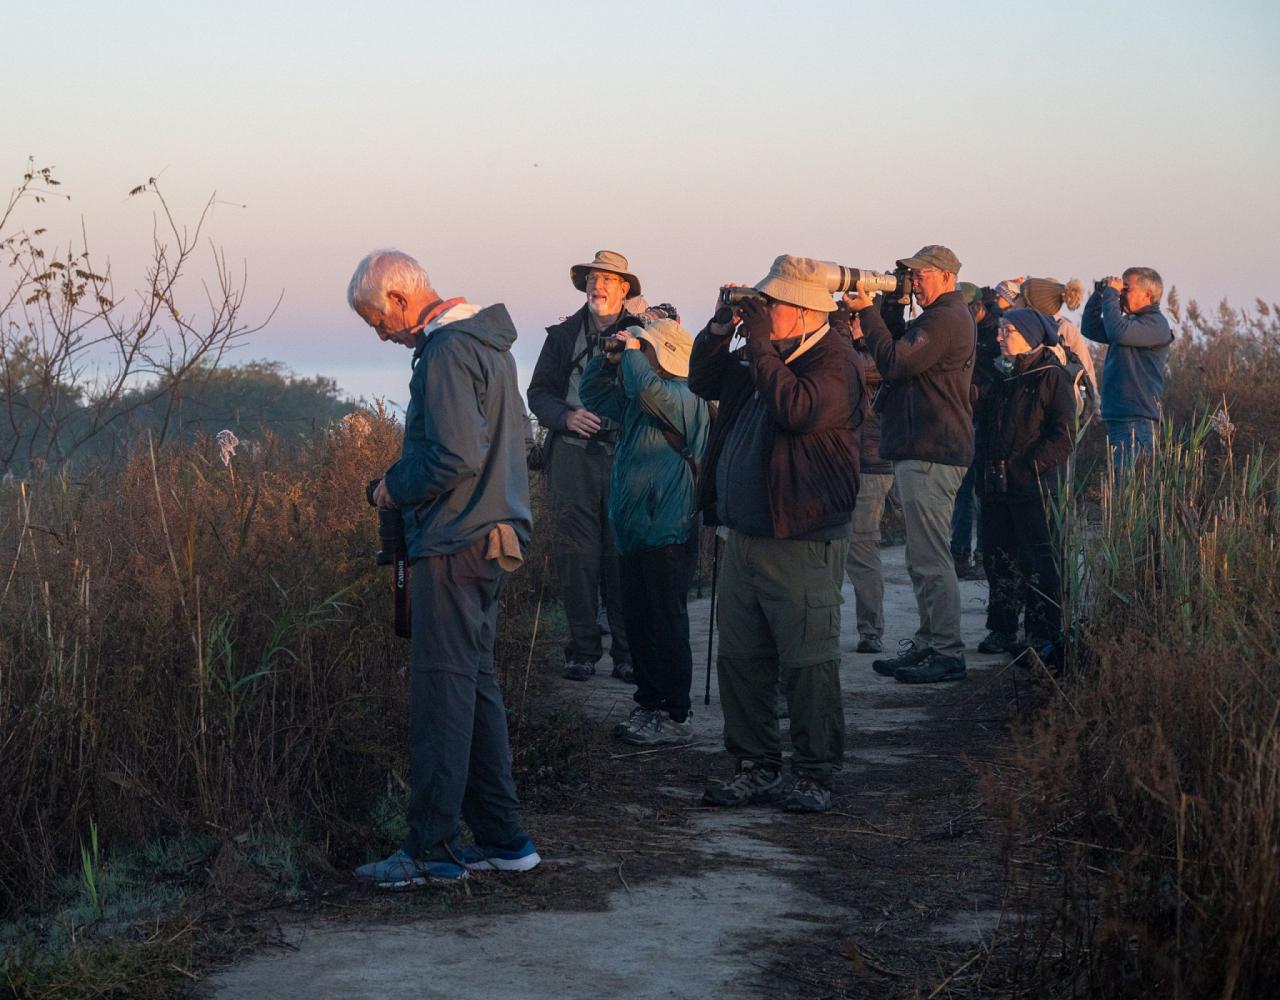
(636, 721)
(752, 784)
(869, 644)
(936, 669)
(807, 796)
(579, 670)
(658, 731)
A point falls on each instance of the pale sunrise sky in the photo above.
(501, 142)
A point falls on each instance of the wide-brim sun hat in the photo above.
(606, 260)
(798, 281)
(671, 342)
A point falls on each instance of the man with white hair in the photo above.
(462, 485)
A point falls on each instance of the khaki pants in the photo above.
(928, 494)
(863, 564)
(779, 623)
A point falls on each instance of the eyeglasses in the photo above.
(919, 275)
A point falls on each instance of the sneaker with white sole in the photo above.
(807, 796)
(519, 856)
(754, 783)
(636, 721)
(659, 730)
(400, 871)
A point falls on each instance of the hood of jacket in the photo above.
(491, 326)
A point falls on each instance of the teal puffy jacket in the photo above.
(651, 501)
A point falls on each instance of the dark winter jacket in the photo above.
(927, 369)
(808, 458)
(550, 382)
(870, 463)
(1137, 353)
(462, 468)
(1027, 421)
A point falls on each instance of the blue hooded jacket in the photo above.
(462, 469)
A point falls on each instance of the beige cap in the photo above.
(606, 260)
(671, 342)
(799, 281)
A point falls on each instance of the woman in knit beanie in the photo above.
(1048, 296)
(1025, 432)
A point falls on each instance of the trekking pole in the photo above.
(711, 627)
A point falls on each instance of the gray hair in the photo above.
(381, 271)
(1148, 279)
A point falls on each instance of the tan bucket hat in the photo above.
(799, 281)
(606, 260)
(671, 342)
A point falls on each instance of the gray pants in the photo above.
(584, 553)
(863, 564)
(928, 494)
(460, 761)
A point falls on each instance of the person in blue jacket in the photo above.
(1125, 315)
(664, 428)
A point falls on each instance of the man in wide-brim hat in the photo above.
(580, 450)
(783, 465)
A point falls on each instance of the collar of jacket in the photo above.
(947, 298)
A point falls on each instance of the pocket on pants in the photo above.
(821, 616)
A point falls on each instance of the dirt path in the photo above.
(646, 893)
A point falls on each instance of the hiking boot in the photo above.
(518, 856)
(908, 656)
(636, 721)
(933, 670)
(998, 642)
(971, 571)
(399, 871)
(807, 796)
(624, 672)
(869, 644)
(753, 783)
(659, 731)
(579, 670)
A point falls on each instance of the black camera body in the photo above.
(998, 476)
(394, 552)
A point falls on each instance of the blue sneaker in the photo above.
(399, 871)
(520, 858)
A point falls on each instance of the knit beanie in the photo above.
(1043, 294)
(1036, 328)
(1008, 290)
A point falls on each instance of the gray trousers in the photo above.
(863, 565)
(459, 757)
(928, 494)
(584, 552)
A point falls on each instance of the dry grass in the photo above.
(191, 647)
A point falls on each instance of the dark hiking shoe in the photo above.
(998, 642)
(934, 670)
(660, 730)
(624, 672)
(519, 856)
(971, 571)
(399, 871)
(869, 644)
(579, 670)
(753, 783)
(807, 796)
(908, 656)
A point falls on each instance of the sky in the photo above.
(499, 143)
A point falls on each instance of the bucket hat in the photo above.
(605, 260)
(798, 281)
(671, 342)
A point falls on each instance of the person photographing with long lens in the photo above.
(926, 430)
(785, 480)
